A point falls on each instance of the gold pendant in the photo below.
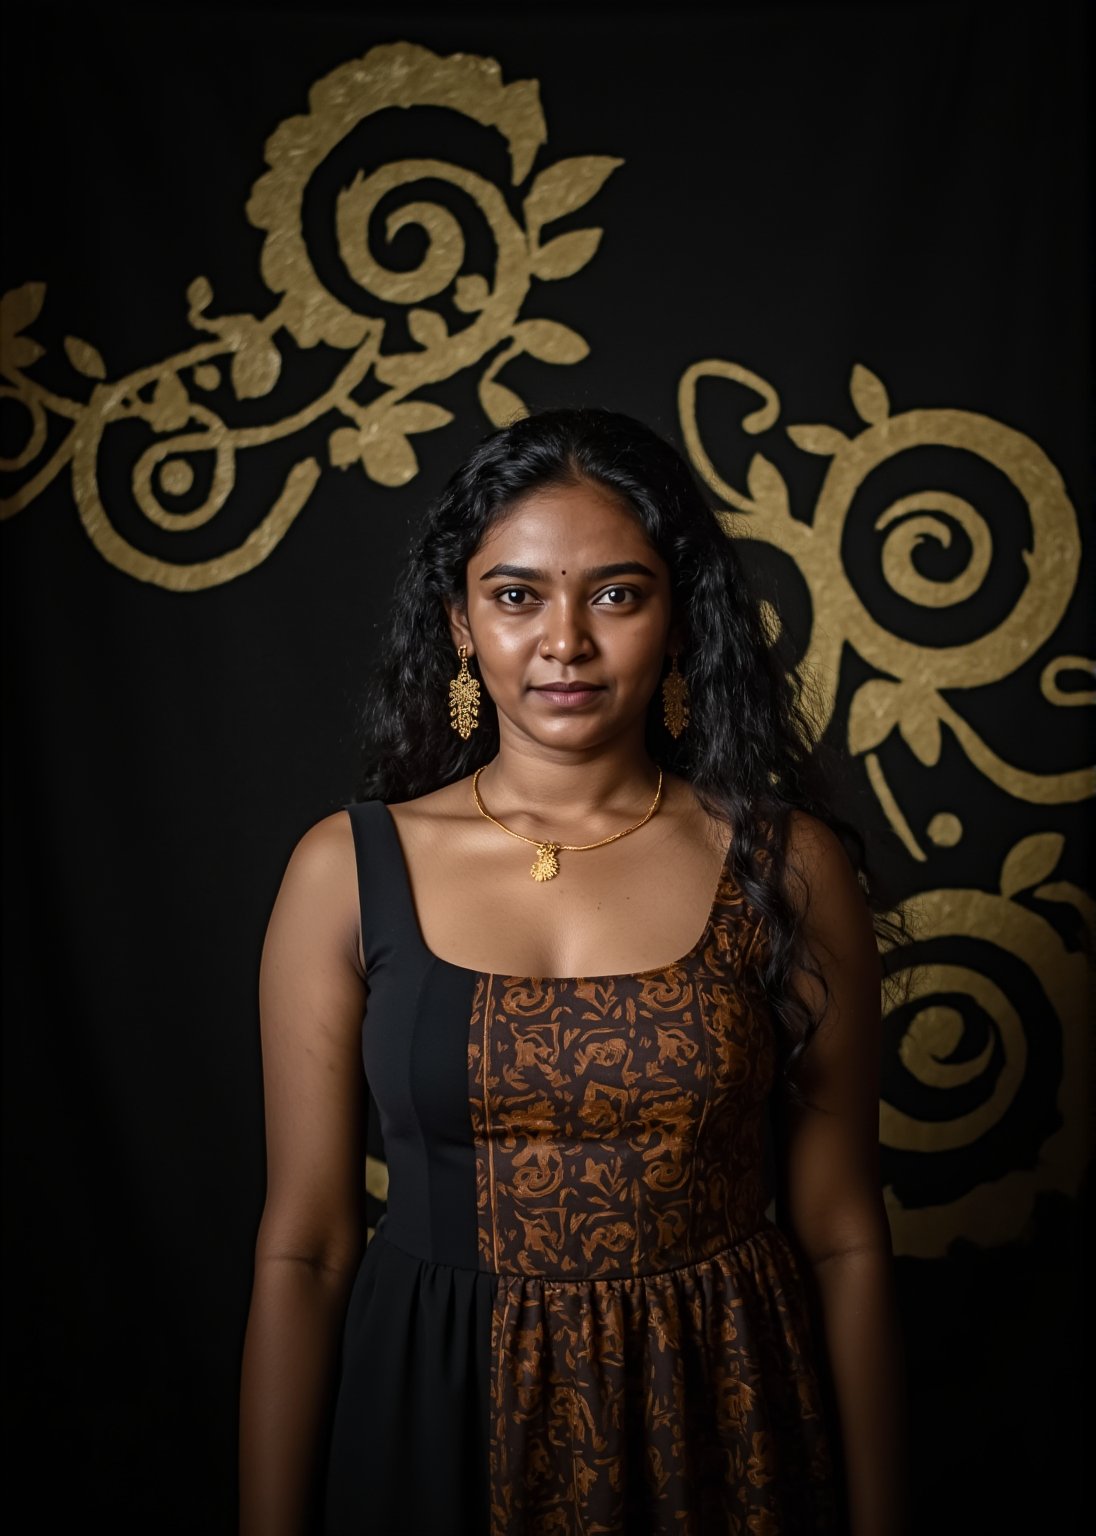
(547, 865)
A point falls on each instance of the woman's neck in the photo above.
(534, 790)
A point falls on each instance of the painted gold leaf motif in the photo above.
(191, 460)
(961, 1053)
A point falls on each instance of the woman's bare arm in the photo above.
(831, 1187)
(311, 999)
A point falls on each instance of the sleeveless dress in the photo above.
(574, 1316)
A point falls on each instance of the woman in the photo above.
(575, 1314)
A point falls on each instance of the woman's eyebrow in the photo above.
(592, 573)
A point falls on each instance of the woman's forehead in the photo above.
(565, 519)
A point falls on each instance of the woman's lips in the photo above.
(570, 698)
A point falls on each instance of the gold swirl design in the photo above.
(930, 1050)
(907, 696)
(183, 400)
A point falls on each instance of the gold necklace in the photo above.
(547, 861)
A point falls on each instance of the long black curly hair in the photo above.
(751, 751)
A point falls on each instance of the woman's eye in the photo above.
(521, 597)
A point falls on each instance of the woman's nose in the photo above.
(566, 637)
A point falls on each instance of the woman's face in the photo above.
(565, 589)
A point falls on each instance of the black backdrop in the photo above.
(802, 189)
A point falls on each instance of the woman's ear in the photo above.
(458, 623)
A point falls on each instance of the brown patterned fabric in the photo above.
(650, 1346)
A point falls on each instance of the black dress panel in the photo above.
(410, 1425)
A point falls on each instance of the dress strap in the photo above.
(742, 917)
(388, 918)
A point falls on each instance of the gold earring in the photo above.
(464, 698)
(675, 699)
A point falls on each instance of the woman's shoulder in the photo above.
(318, 894)
(325, 848)
(451, 803)
(808, 837)
(824, 877)
(812, 841)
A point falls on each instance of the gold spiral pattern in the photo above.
(185, 402)
(959, 1095)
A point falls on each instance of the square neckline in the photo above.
(469, 970)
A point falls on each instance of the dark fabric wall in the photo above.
(877, 214)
